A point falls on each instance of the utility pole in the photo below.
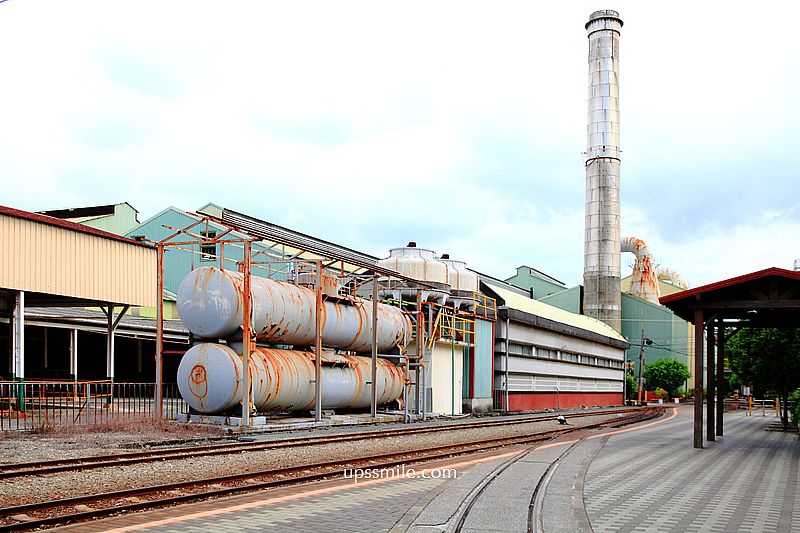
(641, 360)
(641, 363)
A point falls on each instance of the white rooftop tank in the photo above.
(459, 277)
(418, 263)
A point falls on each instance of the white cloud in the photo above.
(459, 124)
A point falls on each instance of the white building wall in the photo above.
(447, 364)
(549, 339)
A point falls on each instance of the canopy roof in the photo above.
(766, 298)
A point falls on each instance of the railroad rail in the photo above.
(66, 510)
(103, 461)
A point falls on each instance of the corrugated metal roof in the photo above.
(520, 302)
(66, 224)
(41, 254)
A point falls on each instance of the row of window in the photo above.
(540, 352)
(538, 383)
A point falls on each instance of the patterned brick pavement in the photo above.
(652, 480)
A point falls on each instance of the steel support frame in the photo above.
(374, 363)
(247, 334)
(319, 309)
(159, 355)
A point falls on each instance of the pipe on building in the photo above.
(670, 275)
(644, 281)
(210, 303)
(210, 379)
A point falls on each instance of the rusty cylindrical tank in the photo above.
(210, 306)
(210, 379)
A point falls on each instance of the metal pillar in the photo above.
(18, 346)
(110, 343)
(319, 309)
(73, 354)
(720, 375)
(159, 393)
(112, 328)
(711, 433)
(505, 367)
(374, 376)
(246, 334)
(698, 378)
(420, 341)
(46, 348)
(18, 336)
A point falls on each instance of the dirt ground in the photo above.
(61, 442)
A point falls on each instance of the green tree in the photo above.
(768, 359)
(631, 388)
(667, 374)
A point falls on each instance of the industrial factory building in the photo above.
(473, 357)
(549, 358)
(670, 336)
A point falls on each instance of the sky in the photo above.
(458, 125)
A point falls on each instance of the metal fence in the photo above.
(34, 405)
(499, 400)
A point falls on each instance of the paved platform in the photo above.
(653, 480)
(637, 479)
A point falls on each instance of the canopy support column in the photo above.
(698, 378)
(720, 375)
(710, 382)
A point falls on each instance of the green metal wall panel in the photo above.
(568, 300)
(177, 262)
(526, 280)
(659, 323)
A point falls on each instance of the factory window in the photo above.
(569, 357)
(603, 362)
(588, 360)
(208, 251)
(546, 353)
(520, 349)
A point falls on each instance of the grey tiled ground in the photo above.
(652, 480)
(357, 509)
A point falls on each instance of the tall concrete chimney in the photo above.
(601, 252)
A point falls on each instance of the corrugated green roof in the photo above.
(535, 307)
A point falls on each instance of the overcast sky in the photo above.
(455, 124)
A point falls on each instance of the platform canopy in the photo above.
(766, 298)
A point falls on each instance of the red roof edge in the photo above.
(73, 226)
(773, 271)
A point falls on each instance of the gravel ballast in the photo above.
(28, 448)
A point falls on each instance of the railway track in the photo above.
(66, 510)
(104, 461)
(459, 518)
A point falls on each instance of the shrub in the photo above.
(795, 399)
(632, 387)
(661, 394)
